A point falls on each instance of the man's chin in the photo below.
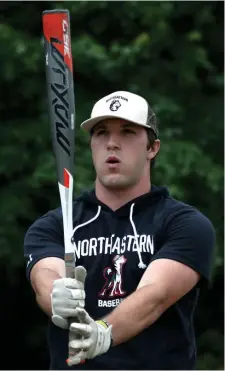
(115, 181)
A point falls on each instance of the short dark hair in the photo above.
(151, 139)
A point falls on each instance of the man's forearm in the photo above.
(42, 285)
(135, 313)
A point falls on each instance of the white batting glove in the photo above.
(67, 295)
(95, 338)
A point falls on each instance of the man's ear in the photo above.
(154, 149)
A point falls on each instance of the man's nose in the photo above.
(113, 142)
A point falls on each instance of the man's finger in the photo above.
(83, 316)
(81, 329)
(80, 273)
(74, 285)
(79, 344)
(60, 321)
(67, 312)
(73, 294)
(77, 294)
(77, 358)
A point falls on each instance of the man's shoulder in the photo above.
(177, 210)
(52, 220)
(167, 204)
(78, 205)
(173, 204)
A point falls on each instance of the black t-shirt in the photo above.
(114, 246)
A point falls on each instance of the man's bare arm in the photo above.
(42, 276)
(163, 283)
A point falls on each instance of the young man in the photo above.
(144, 255)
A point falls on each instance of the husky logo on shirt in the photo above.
(113, 286)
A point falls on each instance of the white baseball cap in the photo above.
(122, 105)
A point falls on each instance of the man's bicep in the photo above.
(53, 264)
(189, 240)
(171, 278)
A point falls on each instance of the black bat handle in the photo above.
(70, 272)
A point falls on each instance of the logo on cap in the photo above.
(115, 105)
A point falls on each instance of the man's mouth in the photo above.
(113, 160)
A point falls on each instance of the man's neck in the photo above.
(116, 198)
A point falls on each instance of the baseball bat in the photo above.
(61, 108)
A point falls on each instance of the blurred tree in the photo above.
(171, 53)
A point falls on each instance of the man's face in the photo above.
(120, 154)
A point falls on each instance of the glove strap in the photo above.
(105, 324)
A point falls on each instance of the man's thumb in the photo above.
(80, 273)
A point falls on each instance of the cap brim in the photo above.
(90, 123)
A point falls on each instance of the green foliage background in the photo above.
(170, 52)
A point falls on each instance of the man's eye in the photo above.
(129, 131)
(101, 132)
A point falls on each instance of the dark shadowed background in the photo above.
(172, 53)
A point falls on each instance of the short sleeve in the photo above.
(190, 239)
(43, 239)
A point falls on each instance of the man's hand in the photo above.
(67, 295)
(95, 338)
